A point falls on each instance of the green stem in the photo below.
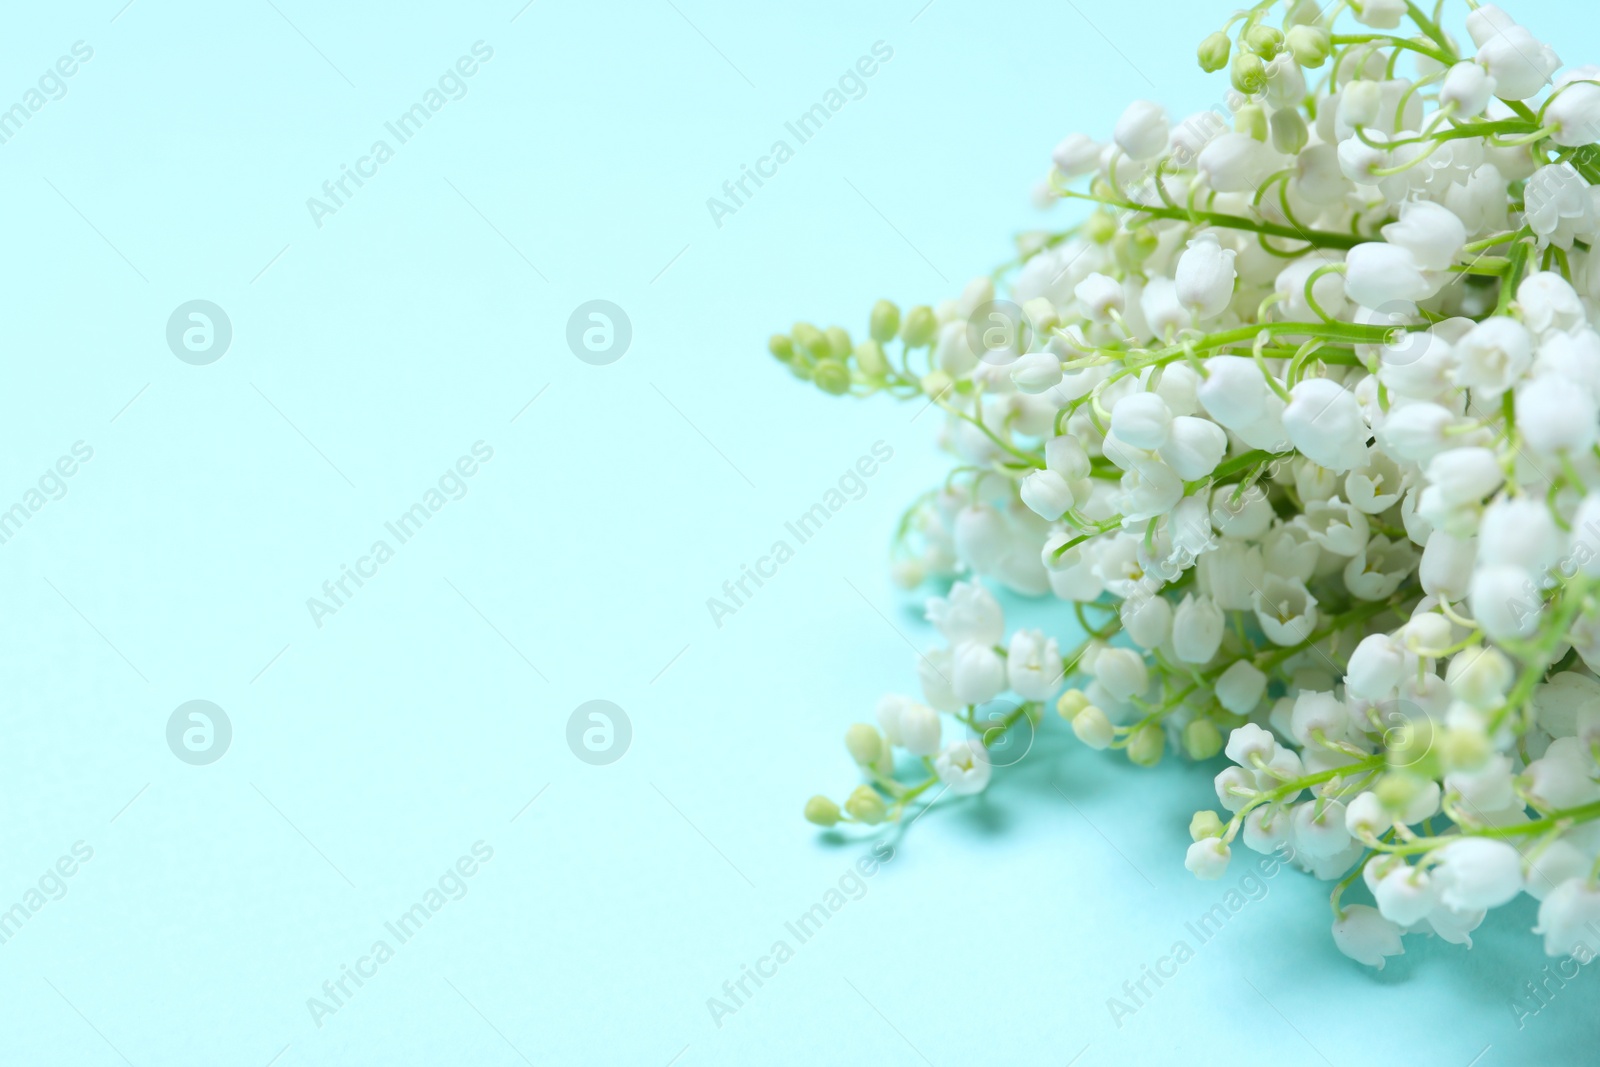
(1317, 238)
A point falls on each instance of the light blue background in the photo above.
(370, 754)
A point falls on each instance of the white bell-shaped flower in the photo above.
(919, 729)
(1033, 665)
(1047, 494)
(964, 767)
(1519, 62)
(1241, 687)
(1285, 609)
(979, 674)
(1207, 858)
(1477, 872)
(1555, 415)
(1205, 277)
(969, 613)
(1494, 355)
(1569, 917)
(1142, 420)
(1123, 672)
(1467, 90)
(1379, 274)
(1366, 936)
(1430, 232)
(1142, 130)
(1324, 421)
(1197, 628)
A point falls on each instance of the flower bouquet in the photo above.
(1301, 419)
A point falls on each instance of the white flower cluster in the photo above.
(1307, 411)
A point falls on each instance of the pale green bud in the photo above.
(1289, 133)
(1100, 227)
(1411, 745)
(1397, 790)
(1093, 728)
(1202, 739)
(1263, 40)
(919, 326)
(934, 383)
(831, 376)
(1249, 73)
(822, 811)
(1071, 702)
(1251, 119)
(1464, 749)
(871, 360)
(1132, 247)
(781, 346)
(1311, 45)
(1031, 242)
(1041, 314)
(1303, 12)
(1205, 824)
(865, 744)
(1214, 52)
(810, 338)
(1148, 744)
(865, 805)
(908, 573)
(839, 343)
(885, 322)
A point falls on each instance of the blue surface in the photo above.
(427, 716)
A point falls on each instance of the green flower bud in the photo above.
(919, 326)
(1396, 790)
(1411, 746)
(1263, 40)
(1205, 824)
(1289, 133)
(1311, 45)
(1132, 247)
(1251, 119)
(871, 360)
(865, 744)
(1091, 726)
(934, 383)
(1031, 242)
(1071, 702)
(885, 322)
(908, 573)
(1202, 739)
(1041, 315)
(1303, 12)
(831, 376)
(1100, 227)
(1148, 744)
(800, 367)
(865, 805)
(810, 338)
(1465, 749)
(1249, 73)
(1214, 52)
(781, 346)
(839, 343)
(822, 811)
